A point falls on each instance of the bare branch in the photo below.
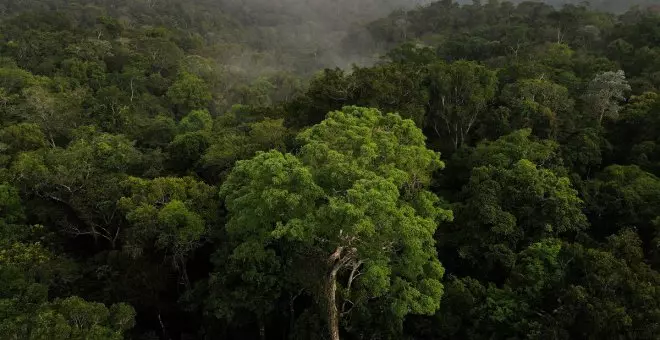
(354, 275)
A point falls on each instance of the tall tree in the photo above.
(538, 104)
(189, 92)
(604, 94)
(348, 219)
(171, 215)
(460, 92)
(82, 182)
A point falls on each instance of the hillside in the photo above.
(615, 6)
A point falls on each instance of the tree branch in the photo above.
(354, 275)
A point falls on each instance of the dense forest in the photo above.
(224, 169)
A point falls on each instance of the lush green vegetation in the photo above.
(179, 170)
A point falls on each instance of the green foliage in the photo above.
(71, 318)
(22, 137)
(189, 92)
(121, 120)
(623, 196)
(633, 134)
(28, 271)
(507, 208)
(170, 214)
(538, 104)
(239, 135)
(198, 120)
(11, 208)
(459, 92)
(82, 179)
(393, 88)
(187, 149)
(509, 149)
(350, 198)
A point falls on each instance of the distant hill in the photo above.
(616, 6)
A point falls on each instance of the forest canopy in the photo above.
(366, 169)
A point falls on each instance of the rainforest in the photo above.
(329, 169)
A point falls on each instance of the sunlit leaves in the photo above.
(356, 183)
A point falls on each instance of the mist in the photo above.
(302, 36)
(314, 29)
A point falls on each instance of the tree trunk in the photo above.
(183, 267)
(330, 296)
(262, 329)
(292, 311)
(292, 315)
(166, 336)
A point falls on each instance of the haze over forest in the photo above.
(329, 33)
(329, 169)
